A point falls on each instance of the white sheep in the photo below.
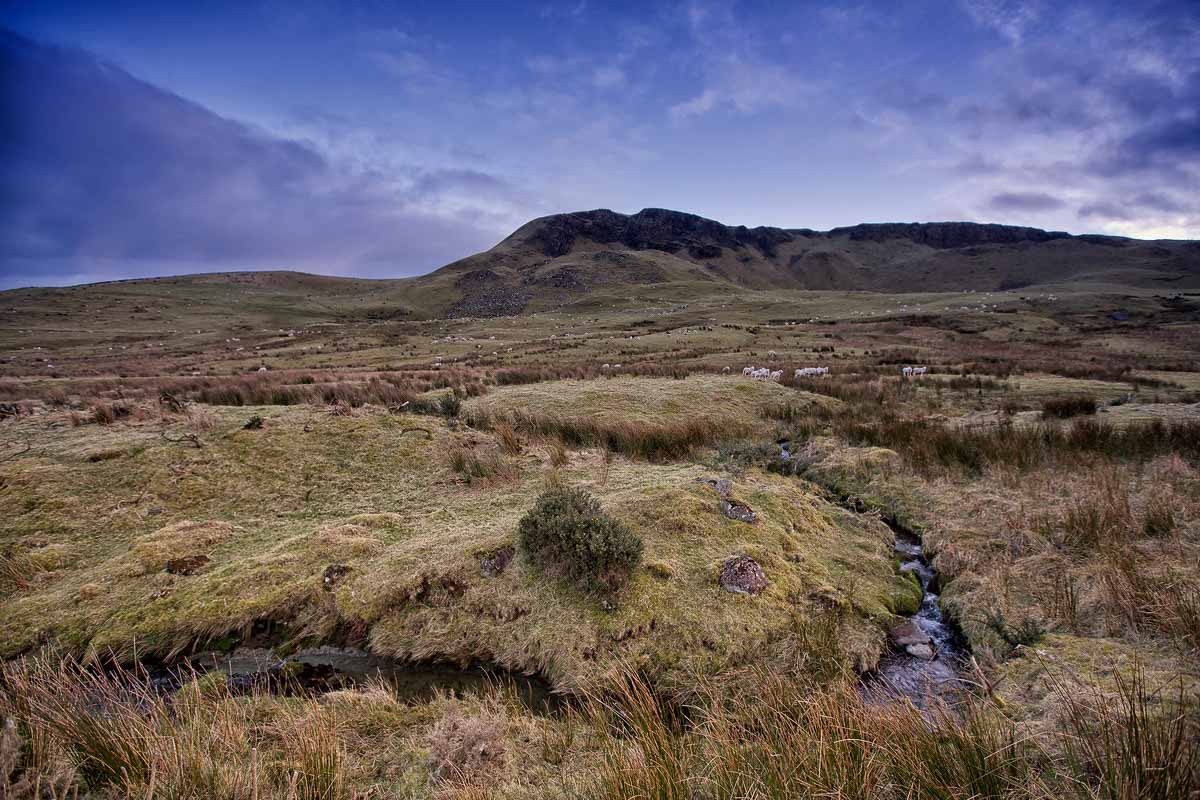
(724, 370)
(918, 371)
(907, 372)
(262, 369)
(747, 371)
(776, 375)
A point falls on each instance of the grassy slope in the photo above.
(273, 508)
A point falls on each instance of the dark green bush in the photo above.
(450, 405)
(566, 533)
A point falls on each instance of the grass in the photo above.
(638, 417)
(1073, 534)
(379, 494)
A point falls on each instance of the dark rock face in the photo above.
(653, 229)
(742, 575)
(495, 564)
(186, 565)
(947, 235)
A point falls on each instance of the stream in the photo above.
(927, 671)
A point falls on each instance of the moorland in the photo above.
(539, 479)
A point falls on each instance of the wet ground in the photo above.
(322, 669)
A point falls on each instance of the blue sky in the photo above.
(385, 139)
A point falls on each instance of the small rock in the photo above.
(723, 486)
(495, 564)
(908, 633)
(922, 651)
(333, 574)
(155, 511)
(738, 511)
(742, 575)
(186, 565)
(254, 423)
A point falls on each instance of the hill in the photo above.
(594, 260)
(565, 257)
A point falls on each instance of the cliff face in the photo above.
(947, 235)
(673, 231)
(650, 229)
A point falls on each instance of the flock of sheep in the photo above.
(767, 374)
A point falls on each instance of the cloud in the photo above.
(1009, 18)
(736, 75)
(607, 77)
(102, 168)
(1025, 201)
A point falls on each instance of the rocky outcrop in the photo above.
(947, 235)
(652, 229)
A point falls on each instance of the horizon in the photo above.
(282, 269)
(351, 140)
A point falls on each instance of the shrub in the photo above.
(1025, 633)
(1072, 406)
(450, 405)
(567, 533)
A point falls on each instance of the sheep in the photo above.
(724, 370)
(262, 369)
(747, 371)
(605, 366)
(906, 372)
(918, 371)
(776, 375)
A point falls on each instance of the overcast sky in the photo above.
(385, 139)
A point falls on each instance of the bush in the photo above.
(450, 405)
(567, 533)
(1064, 407)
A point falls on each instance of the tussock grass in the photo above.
(1069, 406)
(787, 739)
(116, 732)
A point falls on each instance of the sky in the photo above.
(385, 139)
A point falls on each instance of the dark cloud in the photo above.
(99, 167)
(1106, 210)
(1025, 201)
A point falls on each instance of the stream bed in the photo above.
(927, 670)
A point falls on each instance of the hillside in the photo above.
(563, 258)
(594, 259)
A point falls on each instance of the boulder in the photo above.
(493, 565)
(922, 651)
(742, 575)
(909, 633)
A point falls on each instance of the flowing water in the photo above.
(900, 673)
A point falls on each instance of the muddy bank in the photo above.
(323, 669)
